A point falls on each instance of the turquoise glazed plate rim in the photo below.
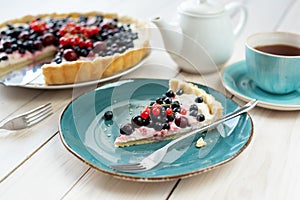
(237, 82)
(90, 138)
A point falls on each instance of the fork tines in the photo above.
(38, 114)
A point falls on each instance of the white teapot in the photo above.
(203, 39)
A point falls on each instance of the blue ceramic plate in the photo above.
(86, 135)
(236, 81)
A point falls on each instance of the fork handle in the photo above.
(229, 116)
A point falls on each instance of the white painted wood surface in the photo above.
(35, 165)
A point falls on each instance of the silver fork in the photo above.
(156, 157)
(28, 119)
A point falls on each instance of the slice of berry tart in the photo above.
(184, 106)
(75, 47)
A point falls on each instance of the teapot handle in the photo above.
(234, 8)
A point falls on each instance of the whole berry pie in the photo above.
(73, 47)
(183, 107)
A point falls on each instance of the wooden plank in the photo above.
(96, 185)
(46, 175)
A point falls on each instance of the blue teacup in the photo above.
(273, 61)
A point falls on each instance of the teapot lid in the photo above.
(199, 8)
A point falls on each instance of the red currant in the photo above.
(169, 111)
(62, 32)
(183, 111)
(63, 41)
(88, 43)
(145, 113)
(156, 110)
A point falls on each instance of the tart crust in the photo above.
(85, 70)
(215, 109)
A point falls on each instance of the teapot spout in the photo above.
(171, 35)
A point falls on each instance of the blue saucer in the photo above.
(236, 81)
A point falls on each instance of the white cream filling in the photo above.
(16, 58)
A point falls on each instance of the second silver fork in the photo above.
(28, 119)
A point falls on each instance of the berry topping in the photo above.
(157, 126)
(199, 100)
(156, 110)
(193, 113)
(70, 55)
(179, 92)
(170, 93)
(108, 115)
(145, 113)
(167, 100)
(87, 36)
(194, 107)
(181, 121)
(182, 111)
(166, 126)
(169, 111)
(48, 39)
(200, 117)
(4, 57)
(127, 129)
(159, 100)
(137, 121)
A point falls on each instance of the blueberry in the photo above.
(84, 52)
(194, 113)
(57, 60)
(127, 129)
(108, 115)
(8, 50)
(179, 91)
(193, 107)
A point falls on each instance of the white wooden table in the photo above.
(35, 165)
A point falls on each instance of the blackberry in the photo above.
(199, 100)
(4, 57)
(170, 93)
(200, 117)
